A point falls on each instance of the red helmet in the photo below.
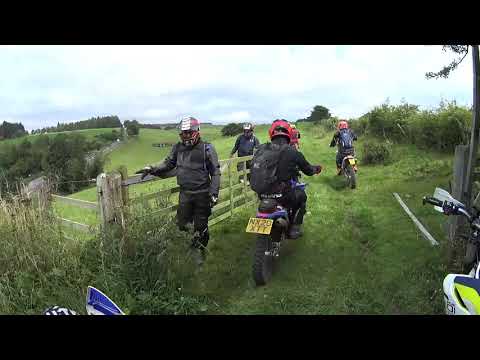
(343, 124)
(189, 131)
(280, 127)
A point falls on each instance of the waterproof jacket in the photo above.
(245, 146)
(336, 138)
(197, 167)
(291, 161)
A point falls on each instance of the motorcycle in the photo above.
(349, 170)
(271, 224)
(461, 292)
(97, 303)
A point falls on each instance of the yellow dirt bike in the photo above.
(349, 169)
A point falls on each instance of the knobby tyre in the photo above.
(263, 264)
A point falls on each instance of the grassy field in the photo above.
(88, 133)
(138, 152)
(360, 253)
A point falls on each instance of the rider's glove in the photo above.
(147, 170)
(317, 169)
(213, 200)
(332, 144)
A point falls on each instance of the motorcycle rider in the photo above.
(290, 161)
(295, 137)
(198, 175)
(344, 138)
(245, 144)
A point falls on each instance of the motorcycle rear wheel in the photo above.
(353, 178)
(263, 263)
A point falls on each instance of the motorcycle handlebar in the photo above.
(432, 200)
(448, 208)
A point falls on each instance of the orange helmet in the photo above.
(343, 124)
(280, 127)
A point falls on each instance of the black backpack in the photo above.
(263, 172)
(345, 140)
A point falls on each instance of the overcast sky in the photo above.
(43, 85)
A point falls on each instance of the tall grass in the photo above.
(40, 267)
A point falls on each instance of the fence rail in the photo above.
(76, 202)
(113, 196)
(74, 224)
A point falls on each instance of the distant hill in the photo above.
(93, 123)
(169, 126)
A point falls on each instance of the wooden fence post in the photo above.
(230, 185)
(124, 176)
(245, 180)
(110, 200)
(459, 172)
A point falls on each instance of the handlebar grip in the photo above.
(432, 200)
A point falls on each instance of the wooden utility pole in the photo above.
(475, 127)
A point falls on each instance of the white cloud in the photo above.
(156, 112)
(236, 116)
(55, 83)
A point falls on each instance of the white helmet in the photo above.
(248, 126)
(57, 310)
(189, 130)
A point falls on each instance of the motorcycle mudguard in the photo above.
(100, 304)
(462, 295)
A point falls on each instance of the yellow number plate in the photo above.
(259, 226)
(351, 161)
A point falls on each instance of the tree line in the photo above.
(98, 122)
(61, 158)
(11, 130)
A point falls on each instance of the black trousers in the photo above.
(297, 201)
(195, 208)
(240, 168)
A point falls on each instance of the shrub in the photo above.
(40, 267)
(110, 137)
(359, 126)
(232, 129)
(329, 124)
(441, 130)
(376, 152)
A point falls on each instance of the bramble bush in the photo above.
(375, 152)
(232, 129)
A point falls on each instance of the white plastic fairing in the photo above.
(443, 195)
(452, 306)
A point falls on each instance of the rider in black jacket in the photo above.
(198, 175)
(291, 161)
(245, 144)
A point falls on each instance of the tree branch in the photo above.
(445, 72)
